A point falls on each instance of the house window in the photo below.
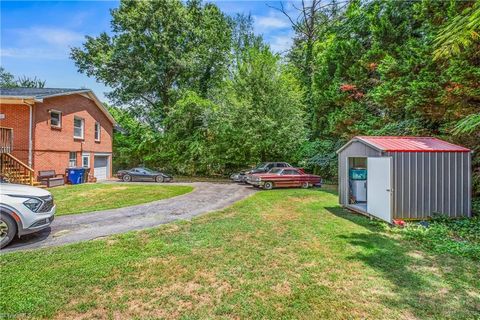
(72, 162)
(78, 128)
(55, 119)
(97, 131)
(86, 161)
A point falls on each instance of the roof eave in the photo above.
(19, 99)
(358, 139)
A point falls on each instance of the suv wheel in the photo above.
(8, 229)
(127, 178)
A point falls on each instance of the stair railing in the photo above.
(15, 171)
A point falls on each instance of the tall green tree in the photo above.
(156, 49)
(135, 143)
(256, 116)
(375, 73)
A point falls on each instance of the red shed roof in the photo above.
(411, 144)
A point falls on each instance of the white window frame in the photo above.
(82, 128)
(70, 165)
(59, 119)
(87, 156)
(99, 131)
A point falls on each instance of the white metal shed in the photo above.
(406, 177)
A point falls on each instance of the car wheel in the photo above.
(127, 178)
(268, 185)
(305, 185)
(8, 229)
(159, 179)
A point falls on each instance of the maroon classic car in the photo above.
(283, 177)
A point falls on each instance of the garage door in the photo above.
(100, 167)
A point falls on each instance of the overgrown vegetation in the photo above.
(205, 95)
(281, 254)
(445, 236)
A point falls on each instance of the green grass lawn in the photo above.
(80, 198)
(291, 254)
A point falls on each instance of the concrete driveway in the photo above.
(204, 198)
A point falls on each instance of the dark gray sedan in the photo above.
(143, 174)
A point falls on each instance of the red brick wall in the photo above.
(17, 117)
(52, 146)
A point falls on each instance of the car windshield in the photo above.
(148, 170)
(275, 170)
(261, 165)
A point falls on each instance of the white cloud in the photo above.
(276, 30)
(40, 42)
(53, 36)
(29, 53)
(281, 43)
(272, 22)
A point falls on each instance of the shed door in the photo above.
(379, 188)
(100, 165)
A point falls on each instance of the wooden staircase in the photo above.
(12, 169)
(15, 171)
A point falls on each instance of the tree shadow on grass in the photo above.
(418, 279)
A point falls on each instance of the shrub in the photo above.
(443, 235)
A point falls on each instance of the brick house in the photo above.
(54, 129)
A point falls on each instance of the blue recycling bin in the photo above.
(75, 175)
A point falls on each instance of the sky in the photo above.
(36, 37)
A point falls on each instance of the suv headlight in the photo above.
(33, 204)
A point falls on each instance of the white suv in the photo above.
(23, 210)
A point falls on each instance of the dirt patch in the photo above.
(282, 289)
(204, 290)
(281, 213)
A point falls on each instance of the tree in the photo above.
(263, 110)
(462, 32)
(256, 116)
(467, 125)
(158, 48)
(191, 136)
(134, 143)
(310, 22)
(7, 80)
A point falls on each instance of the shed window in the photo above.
(72, 162)
(97, 131)
(55, 119)
(78, 128)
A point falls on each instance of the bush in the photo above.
(476, 207)
(443, 235)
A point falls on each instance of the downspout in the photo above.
(30, 143)
(30, 133)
